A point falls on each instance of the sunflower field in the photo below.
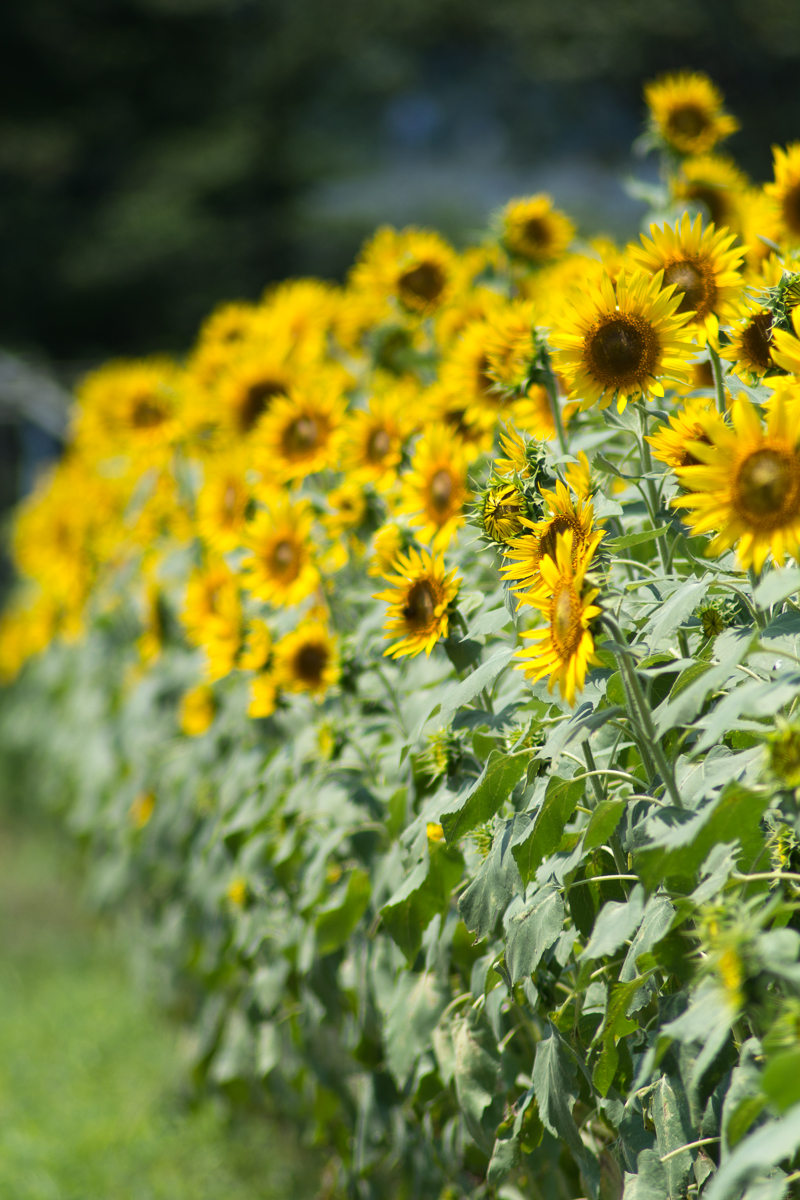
(420, 660)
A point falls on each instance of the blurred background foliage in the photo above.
(157, 156)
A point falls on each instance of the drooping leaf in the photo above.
(424, 893)
(540, 839)
(490, 892)
(532, 926)
(650, 1180)
(603, 822)
(756, 1155)
(672, 1119)
(498, 779)
(477, 1074)
(417, 1005)
(635, 539)
(673, 612)
(615, 924)
(473, 685)
(335, 924)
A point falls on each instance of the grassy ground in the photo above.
(90, 1075)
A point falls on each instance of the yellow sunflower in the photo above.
(212, 616)
(619, 342)
(471, 421)
(501, 511)
(717, 184)
(464, 374)
(751, 341)
(297, 437)
(389, 542)
(785, 191)
(197, 710)
(760, 220)
(686, 110)
(371, 442)
(511, 345)
(672, 444)
(525, 553)
(535, 231)
(419, 598)
(223, 502)
(130, 409)
(415, 269)
(350, 509)
(435, 489)
(515, 447)
(300, 314)
(280, 567)
(703, 266)
(231, 330)
(533, 413)
(747, 483)
(786, 346)
(307, 660)
(246, 390)
(564, 650)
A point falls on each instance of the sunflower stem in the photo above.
(716, 367)
(552, 396)
(641, 711)
(654, 505)
(597, 783)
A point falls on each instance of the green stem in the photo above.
(555, 409)
(597, 783)
(655, 504)
(716, 367)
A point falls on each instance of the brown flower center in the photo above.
(757, 340)
(696, 281)
(256, 401)
(441, 491)
(703, 374)
(422, 285)
(622, 351)
(147, 413)
(715, 200)
(687, 120)
(537, 232)
(549, 539)
(300, 437)
(766, 487)
(285, 558)
(565, 622)
(791, 208)
(420, 605)
(310, 662)
(229, 501)
(378, 446)
(484, 383)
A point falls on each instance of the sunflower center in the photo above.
(441, 490)
(713, 198)
(310, 661)
(483, 380)
(698, 435)
(757, 339)
(766, 486)
(284, 557)
(549, 539)
(688, 120)
(694, 280)
(147, 413)
(622, 351)
(565, 620)
(537, 232)
(422, 284)
(301, 436)
(703, 374)
(791, 208)
(256, 401)
(420, 605)
(379, 445)
(229, 501)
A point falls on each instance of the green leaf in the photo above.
(615, 924)
(477, 1077)
(335, 924)
(554, 1085)
(490, 622)
(754, 1157)
(417, 1004)
(473, 685)
(743, 1116)
(602, 823)
(781, 1079)
(532, 925)
(650, 1180)
(635, 539)
(540, 839)
(423, 894)
(672, 1119)
(776, 586)
(674, 611)
(498, 779)
(490, 892)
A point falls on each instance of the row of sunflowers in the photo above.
(518, 911)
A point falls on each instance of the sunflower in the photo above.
(464, 373)
(371, 442)
(785, 191)
(751, 341)
(786, 348)
(197, 710)
(307, 660)
(350, 509)
(760, 220)
(296, 438)
(223, 502)
(389, 542)
(672, 444)
(618, 342)
(419, 598)
(280, 567)
(511, 345)
(533, 413)
(130, 408)
(717, 184)
(747, 483)
(701, 265)
(414, 269)
(686, 111)
(533, 230)
(471, 421)
(565, 649)
(299, 314)
(246, 390)
(435, 489)
(501, 511)
(263, 695)
(230, 331)
(526, 552)
(212, 616)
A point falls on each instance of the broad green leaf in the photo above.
(532, 925)
(417, 1005)
(755, 1157)
(776, 586)
(334, 925)
(781, 1079)
(635, 539)
(686, 699)
(466, 691)
(602, 823)
(490, 622)
(615, 924)
(425, 892)
(743, 1116)
(672, 1119)
(675, 610)
(499, 778)
(540, 839)
(490, 892)
(650, 1180)
(477, 1077)
(556, 1091)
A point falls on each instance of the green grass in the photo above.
(90, 1072)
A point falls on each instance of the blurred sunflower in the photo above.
(785, 191)
(435, 489)
(296, 438)
(389, 542)
(223, 502)
(416, 269)
(702, 265)
(371, 442)
(197, 710)
(419, 599)
(130, 409)
(280, 566)
(533, 230)
(212, 616)
(686, 111)
(751, 341)
(307, 660)
(511, 345)
(746, 485)
(619, 342)
(717, 184)
(672, 443)
(565, 649)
